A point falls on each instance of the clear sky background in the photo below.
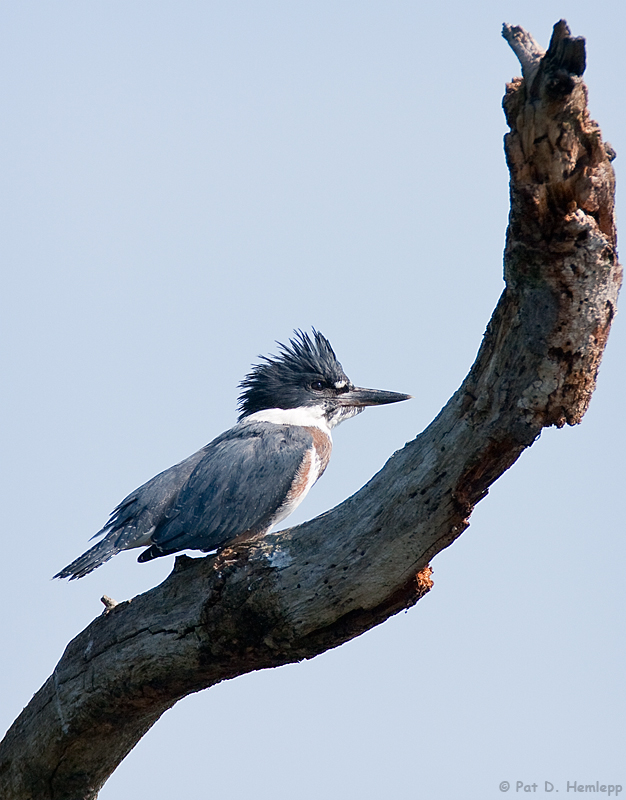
(183, 184)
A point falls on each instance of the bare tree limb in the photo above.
(294, 594)
(525, 48)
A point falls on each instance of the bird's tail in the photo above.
(93, 558)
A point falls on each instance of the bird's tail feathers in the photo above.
(94, 557)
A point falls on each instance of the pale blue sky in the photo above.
(184, 183)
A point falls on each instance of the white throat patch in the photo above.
(306, 416)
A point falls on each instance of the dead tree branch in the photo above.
(292, 595)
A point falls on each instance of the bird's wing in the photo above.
(238, 486)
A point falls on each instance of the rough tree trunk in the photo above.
(292, 595)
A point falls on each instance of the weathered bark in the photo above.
(294, 594)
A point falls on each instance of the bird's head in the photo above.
(307, 375)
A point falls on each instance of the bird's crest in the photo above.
(278, 381)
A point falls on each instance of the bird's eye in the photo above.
(317, 385)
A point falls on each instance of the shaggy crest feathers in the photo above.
(304, 360)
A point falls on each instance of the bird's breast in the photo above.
(322, 447)
(313, 464)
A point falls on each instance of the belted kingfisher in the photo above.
(252, 476)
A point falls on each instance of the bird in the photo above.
(253, 475)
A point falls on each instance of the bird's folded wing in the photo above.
(238, 486)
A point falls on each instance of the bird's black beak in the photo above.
(359, 398)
